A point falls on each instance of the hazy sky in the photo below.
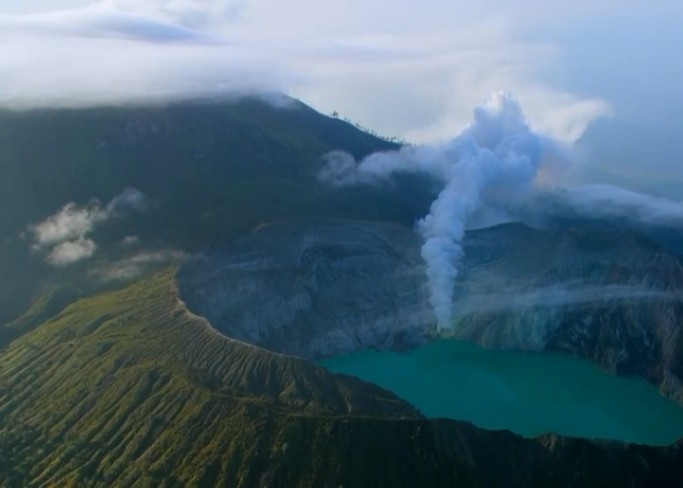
(406, 68)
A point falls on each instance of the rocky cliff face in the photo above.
(319, 289)
(314, 289)
(609, 296)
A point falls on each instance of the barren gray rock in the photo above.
(315, 289)
(610, 296)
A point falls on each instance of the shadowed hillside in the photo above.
(209, 171)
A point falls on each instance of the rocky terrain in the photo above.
(119, 383)
(611, 296)
(314, 290)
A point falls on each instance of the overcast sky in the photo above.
(404, 68)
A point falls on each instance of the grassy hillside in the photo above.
(129, 389)
(127, 376)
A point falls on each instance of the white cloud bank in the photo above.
(189, 13)
(404, 70)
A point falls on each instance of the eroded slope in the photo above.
(130, 389)
(314, 289)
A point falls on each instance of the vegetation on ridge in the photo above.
(132, 377)
(128, 388)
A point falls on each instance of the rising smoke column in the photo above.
(493, 161)
(498, 156)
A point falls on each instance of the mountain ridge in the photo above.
(119, 384)
(208, 171)
(317, 289)
(141, 412)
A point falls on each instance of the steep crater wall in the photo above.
(607, 295)
(317, 289)
(314, 289)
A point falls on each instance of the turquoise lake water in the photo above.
(527, 393)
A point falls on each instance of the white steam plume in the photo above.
(492, 162)
(496, 170)
(497, 150)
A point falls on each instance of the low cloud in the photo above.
(194, 14)
(70, 223)
(122, 52)
(65, 234)
(130, 241)
(136, 265)
(417, 84)
(128, 199)
(70, 252)
(342, 169)
(95, 22)
(600, 202)
(613, 201)
(555, 296)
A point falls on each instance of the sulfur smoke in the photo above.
(494, 161)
